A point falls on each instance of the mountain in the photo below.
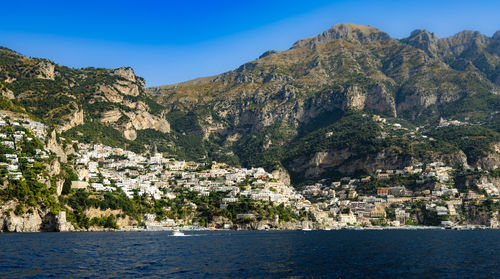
(277, 110)
(348, 101)
(346, 114)
(86, 100)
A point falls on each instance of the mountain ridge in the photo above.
(252, 115)
(347, 67)
(337, 116)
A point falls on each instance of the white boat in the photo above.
(178, 233)
(307, 229)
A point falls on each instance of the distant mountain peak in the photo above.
(267, 53)
(424, 40)
(345, 31)
(417, 32)
(496, 36)
(468, 41)
(495, 44)
(366, 29)
(467, 34)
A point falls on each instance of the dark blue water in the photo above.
(316, 254)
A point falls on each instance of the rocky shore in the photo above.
(33, 222)
(36, 222)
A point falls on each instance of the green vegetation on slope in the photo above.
(474, 140)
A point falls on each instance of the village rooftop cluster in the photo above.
(362, 201)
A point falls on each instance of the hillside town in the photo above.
(420, 194)
(15, 134)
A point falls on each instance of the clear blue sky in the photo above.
(173, 41)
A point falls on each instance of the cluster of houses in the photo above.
(37, 129)
(489, 189)
(386, 125)
(345, 202)
(105, 169)
(15, 131)
(340, 204)
(446, 123)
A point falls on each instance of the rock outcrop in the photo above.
(77, 118)
(54, 146)
(423, 40)
(7, 93)
(128, 74)
(61, 224)
(492, 160)
(144, 120)
(282, 175)
(46, 70)
(34, 220)
(28, 222)
(111, 116)
(346, 162)
(136, 120)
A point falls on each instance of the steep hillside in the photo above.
(85, 103)
(347, 101)
(350, 125)
(272, 111)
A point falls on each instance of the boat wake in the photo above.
(183, 235)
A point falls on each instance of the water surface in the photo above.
(253, 254)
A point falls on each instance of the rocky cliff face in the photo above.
(26, 223)
(46, 70)
(346, 162)
(7, 93)
(54, 146)
(141, 120)
(492, 160)
(137, 116)
(73, 120)
(35, 221)
(423, 40)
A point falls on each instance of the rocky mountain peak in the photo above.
(470, 41)
(126, 73)
(46, 70)
(345, 31)
(495, 43)
(496, 36)
(468, 35)
(267, 53)
(424, 40)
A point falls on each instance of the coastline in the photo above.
(188, 229)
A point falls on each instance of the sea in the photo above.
(253, 254)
